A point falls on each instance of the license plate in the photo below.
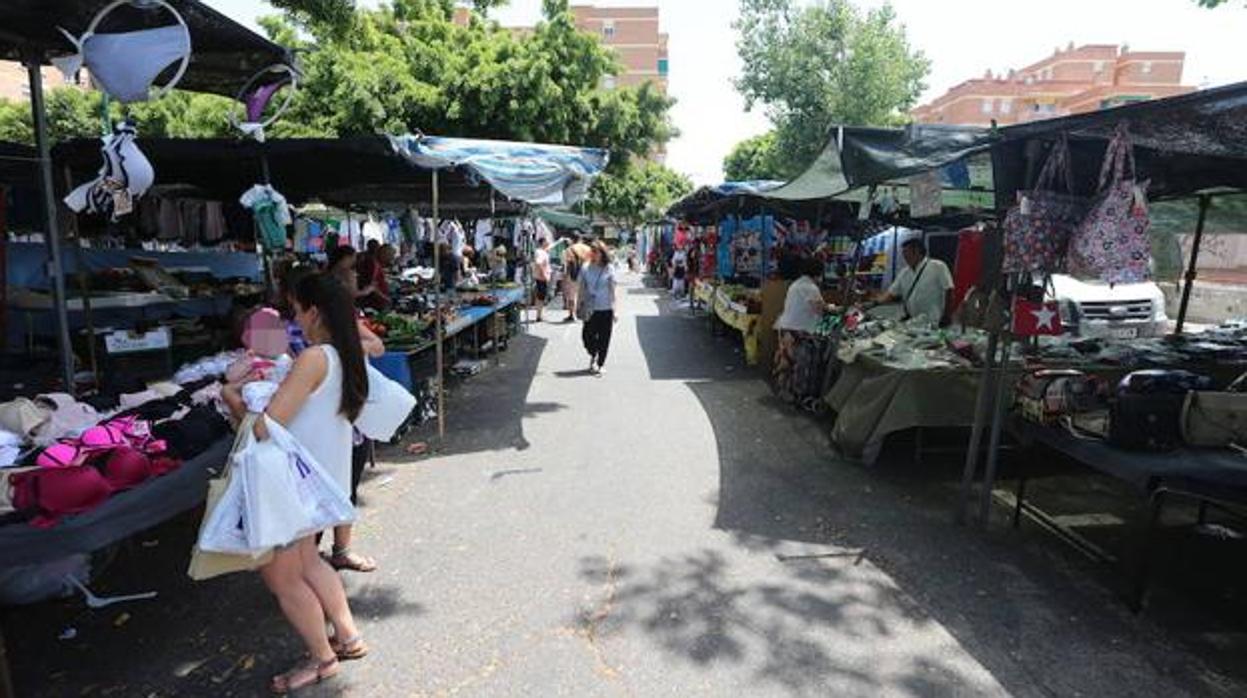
(1124, 332)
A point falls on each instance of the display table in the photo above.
(1216, 476)
(397, 365)
(738, 317)
(703, 293)
(123, 515)
(873, 400)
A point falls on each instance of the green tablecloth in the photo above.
(873, 400)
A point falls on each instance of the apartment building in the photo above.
(1073, 80)
(15, 83)
(633, 33)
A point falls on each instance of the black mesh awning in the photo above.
(225, 54)
(356, 172)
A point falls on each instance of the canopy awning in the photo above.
(224, 53)
(355, 173)
(539, 174)
(563, 219)
(1183, 145)
(19, 164)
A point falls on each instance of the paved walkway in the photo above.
(625, 536)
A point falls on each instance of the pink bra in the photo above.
(51, 493)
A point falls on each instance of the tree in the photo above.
(407, 67)
(637, 192)
(75, 113)
(754, 158)
(824, 64)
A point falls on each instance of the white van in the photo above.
(1119, 311)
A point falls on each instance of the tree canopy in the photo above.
(754, 158)
(817, 65)
(405, 66)
(640, 191)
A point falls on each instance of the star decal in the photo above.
(1044, 318)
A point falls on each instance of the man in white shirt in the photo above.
(924, 288)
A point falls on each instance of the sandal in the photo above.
(351, 648)
(344, 559)
(311, 672)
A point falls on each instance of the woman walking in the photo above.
(597, 298)
(317, 402)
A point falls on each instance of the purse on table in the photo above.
(1045, 396)
(1147, 413)
(1214, 420)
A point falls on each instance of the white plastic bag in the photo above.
(387, 407)
(224, 531)
(286, 493)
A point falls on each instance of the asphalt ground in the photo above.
(667, 529)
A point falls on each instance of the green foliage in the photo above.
(75, 113)
(827, 63)
(755, 158)
(637, 192)
(406, 67)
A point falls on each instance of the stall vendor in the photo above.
(924, 288)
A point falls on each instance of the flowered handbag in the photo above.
(1112, 244)
(1037, 229)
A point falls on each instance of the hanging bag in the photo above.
(286, 493)
(222, 521)
(1037, 229)
(1112, 244)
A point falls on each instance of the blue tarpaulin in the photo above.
(535, 173)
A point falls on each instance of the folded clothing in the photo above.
(257, 395)
(23, 416)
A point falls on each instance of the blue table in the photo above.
(396, 365)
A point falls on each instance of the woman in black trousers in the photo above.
(597, 297)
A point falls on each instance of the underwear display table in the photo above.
(123, 515)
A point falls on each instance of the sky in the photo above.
(963, 39)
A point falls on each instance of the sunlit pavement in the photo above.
(634, 535)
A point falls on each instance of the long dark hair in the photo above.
(600, 247)
(337, 311)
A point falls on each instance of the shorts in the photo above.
(543, 290)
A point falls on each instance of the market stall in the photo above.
(219, 56)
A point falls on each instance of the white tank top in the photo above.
(319, 425)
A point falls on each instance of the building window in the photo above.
(662, 67)
(608, 29)
(1099, 67)
(608, 82)
(1147, 67)
(1006, 105)
(986, 106)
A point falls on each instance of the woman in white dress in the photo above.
(317, 402)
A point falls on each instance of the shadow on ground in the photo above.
(1020, 604)
(221, 637)
(486, 412)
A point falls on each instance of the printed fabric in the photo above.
(1038, 228)
(1112, 244)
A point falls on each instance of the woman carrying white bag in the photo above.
(316, 404)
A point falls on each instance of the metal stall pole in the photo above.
(993, 443)
(437, 282)
(38, 111)
(1204, 201)
(981, 409)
